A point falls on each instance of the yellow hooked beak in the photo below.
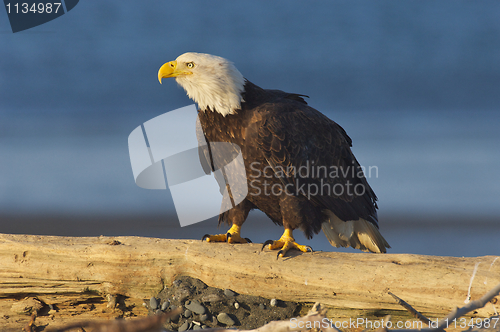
(170, 70)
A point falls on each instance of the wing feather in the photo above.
(297, 137)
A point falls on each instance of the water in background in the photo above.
(415, 84)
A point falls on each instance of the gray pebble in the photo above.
(177, 283)
(274, 302)
(236, 305)
(225, 319)
(187, 313)
(153, 303)
(195, 307)
(203, 317)
(197, 327)
(164, 306)
(229, 293)
(262, 306)
(211, 298)
(204, 327)
(184, 326)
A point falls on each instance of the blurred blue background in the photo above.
(416, 84)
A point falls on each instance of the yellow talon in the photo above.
(285, 243)
(232, 236)
(216, 238)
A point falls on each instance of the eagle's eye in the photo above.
(190, 65)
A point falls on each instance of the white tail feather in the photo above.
(359, 234)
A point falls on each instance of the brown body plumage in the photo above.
(279, 135)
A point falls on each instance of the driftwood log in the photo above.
(62, 270)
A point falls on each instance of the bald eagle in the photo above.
(300, 169)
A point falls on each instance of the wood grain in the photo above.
(51, 267)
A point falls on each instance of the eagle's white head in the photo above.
(212, 82)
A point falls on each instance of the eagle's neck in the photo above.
(216, 93)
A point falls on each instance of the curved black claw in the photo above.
(281, 251)
(228, 236)
(205, 236)
(266, 243)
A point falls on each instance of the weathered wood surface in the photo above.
(51, 267)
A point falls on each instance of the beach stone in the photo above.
(225, 319)
(262, 306)
(195, 307)
(184, 326)
(229, 293)
(187, 313)
(247, 317)
(164, 306)
(211, 298)
(274, 302)
(153, 303)
(196, 327)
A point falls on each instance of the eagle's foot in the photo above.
(285, 243)
(232, 236)
(214, 238)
